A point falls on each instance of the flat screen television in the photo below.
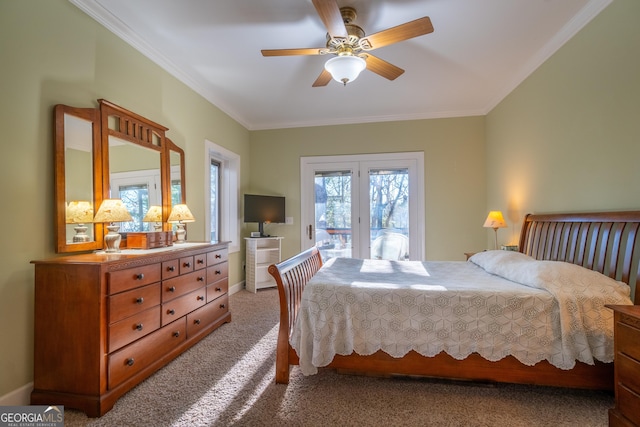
(263, 209)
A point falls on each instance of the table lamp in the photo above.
(79, 212)
(154, 214)
(495, 220)
(112, 211)
(179, 215)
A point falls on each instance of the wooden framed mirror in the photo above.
(112, 152)
(78, 178)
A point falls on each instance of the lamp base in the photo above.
(81, 235)
(112, 239)
(180, 233)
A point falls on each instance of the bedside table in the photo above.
(469, 254)
(626, 365)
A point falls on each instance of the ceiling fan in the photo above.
(351, 46)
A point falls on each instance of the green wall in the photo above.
(568, 138)
(454, 173)
(53, 53)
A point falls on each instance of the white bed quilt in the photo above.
(499, 303)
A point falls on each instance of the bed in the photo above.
(605, 243)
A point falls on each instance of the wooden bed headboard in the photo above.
(606, 242)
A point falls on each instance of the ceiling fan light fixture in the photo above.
(346, 68)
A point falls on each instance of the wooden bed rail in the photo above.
(291, 277)
(607, 242)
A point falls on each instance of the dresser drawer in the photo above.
(130, 360)
(628, 403)
(199, 261)
(170, 269)
(217, 272)
(628, 373)
(178, 307)
(217, 289)
(186, 264)
(132, 328)
(628, 340)
(178, 286)
(204, 316)
(123, 280)
(128, 303)
(218, 256)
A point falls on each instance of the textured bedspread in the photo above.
(501, 303)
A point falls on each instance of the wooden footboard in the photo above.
(291, 277)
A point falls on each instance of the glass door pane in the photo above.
(389, 213)
(333, 213)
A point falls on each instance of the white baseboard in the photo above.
(18, 397)
(236, 288)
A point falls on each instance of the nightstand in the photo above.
(469, 254)
(626, 365)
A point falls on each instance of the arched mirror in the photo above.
(78, 178)
(112, 152)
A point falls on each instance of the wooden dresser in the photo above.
(105, 322)
(627, 366)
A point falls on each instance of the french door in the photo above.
(363, 206)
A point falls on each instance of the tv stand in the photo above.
(261, 253)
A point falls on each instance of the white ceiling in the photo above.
(480, 51)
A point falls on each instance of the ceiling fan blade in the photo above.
(383, 68)
(406, 31)
(329, 12)
(323, 79)
(292, 52)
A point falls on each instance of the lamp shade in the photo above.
(154, 214)
(495, 220)
(112, 210)
(181, 213)
(79, 212)
(346, 68)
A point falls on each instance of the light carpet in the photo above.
(228, 380)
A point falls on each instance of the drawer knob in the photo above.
(139, 326)
(218, 289)
(171, 268)
(200, 298)
(172, 289)
(218, 256)
(197, 321)
(200, 261)
(172, 312)
(200, 279)
(129, 361)
(139, 276)
(139, 300)
(176, 334)
(222, 305)
(187, 264)
(218, 272)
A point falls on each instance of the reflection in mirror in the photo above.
(76, 190)
(176, 160)
(78, 154)
(134, 177)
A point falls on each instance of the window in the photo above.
(214, 206)
(222, 183)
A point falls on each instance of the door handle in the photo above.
(310, 228)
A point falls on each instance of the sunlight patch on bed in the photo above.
(381, 285)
